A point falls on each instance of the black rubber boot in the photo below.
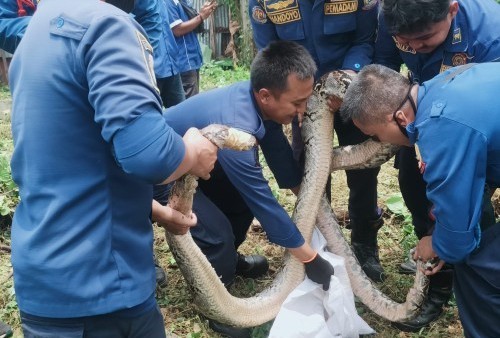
(365, 248)
(252, 266)
(431, 310)
(440, 292)
(229, 331)
(161, 275)
(409, 266)
(369, 260)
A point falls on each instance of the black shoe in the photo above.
(229, 331)
(161, 275)
(409, 266)
(5, 330)
(367, 256)
(252, 266)
(432, 308)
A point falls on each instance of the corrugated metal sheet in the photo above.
(218, 25)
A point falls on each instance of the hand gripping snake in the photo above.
(312, 208)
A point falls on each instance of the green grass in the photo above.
(4, 92)
(215, 74)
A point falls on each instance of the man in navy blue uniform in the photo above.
(453, 119)
(190, 58)
(153, 16)
(83, 95)
(338, 35)
(431, 37)
(282, 78)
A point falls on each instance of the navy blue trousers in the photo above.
(223, 221)
(191, 82)
(149, 324)
(477, 287)
(171, 90)
(413, 190)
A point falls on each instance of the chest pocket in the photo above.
(70, 32)
(286, 16)
(67, 27)
(339, 16)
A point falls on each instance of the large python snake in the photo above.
(210, 295)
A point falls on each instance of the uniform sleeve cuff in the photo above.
(454, 246)
(294, 241)
(176, 23)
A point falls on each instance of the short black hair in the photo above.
(413, 16)
(375, 92)
(273, 64)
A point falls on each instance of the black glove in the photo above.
(320, 271)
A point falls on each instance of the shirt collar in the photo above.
(261, 131)
(411, 128)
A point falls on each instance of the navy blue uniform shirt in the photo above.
(89, 142)
(234, 106)
(474, 36)
(153, 16)
(338, 35)
(457, 131)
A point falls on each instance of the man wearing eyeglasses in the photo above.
(456, 128)
(431, 36)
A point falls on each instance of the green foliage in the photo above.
(215, 74)
(4, 92)
(396, 205)
(9, 193)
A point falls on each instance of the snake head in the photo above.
(227, 137)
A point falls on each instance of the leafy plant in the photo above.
(9, 193)
(396, 205)
(4, 92)
(221, 73)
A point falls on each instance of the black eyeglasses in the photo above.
(412, 102)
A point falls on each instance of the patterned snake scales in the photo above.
(312, 208)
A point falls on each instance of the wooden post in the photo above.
(247, 51)
(211, 29)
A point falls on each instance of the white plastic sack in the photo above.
(310, 312)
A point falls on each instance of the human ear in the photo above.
(453, 10)
(401, 118)
(264, 95)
